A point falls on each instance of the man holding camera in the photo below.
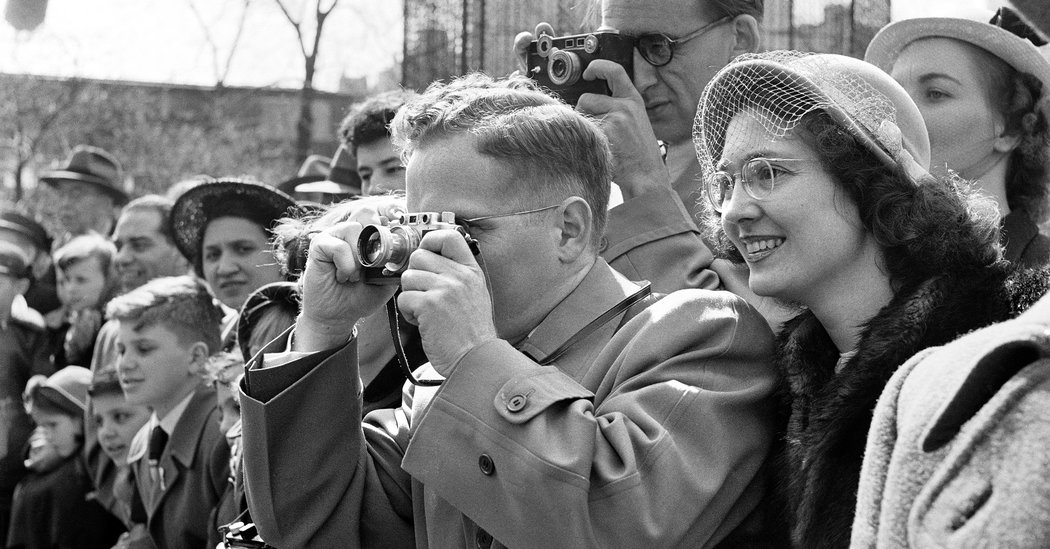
(678, 46)
(574, 409)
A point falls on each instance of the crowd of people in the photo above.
(494, 319)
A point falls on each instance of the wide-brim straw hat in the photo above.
(1020, 53)
(197, 207)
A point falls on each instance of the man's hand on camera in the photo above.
(639, 167)
(334, 297)
(445, 294)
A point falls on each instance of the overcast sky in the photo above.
(165, 41)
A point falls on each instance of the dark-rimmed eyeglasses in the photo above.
(658, 49)
(759, 176)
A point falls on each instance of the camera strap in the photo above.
(392, 315)
(626, 303)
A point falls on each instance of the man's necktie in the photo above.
(157, 440)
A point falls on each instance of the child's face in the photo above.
(117, 422)
(229, 410)
(60, 430)
(156, 369)
(80, 285)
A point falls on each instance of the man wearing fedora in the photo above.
(90, 188)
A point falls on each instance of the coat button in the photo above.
(483, 539)
(517, 403)
(486, 464)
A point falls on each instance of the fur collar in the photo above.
(829, 413)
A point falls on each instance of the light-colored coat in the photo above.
(959, 448)
(649, 436)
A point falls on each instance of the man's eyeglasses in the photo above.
(759, 176)
(658, 49)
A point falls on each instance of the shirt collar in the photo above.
(171, 419)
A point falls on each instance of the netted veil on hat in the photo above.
(779, 88)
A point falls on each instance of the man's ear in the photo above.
(198, 357)
(22, 286)
(575, 226)
(747, 38)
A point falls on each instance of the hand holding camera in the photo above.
(445, 293)
(334, 293)
(594, 72)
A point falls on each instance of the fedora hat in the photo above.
(199, 205)
(314, 168)
(95, 167)
(342, 177)
(1007, 36)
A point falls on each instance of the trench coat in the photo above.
(649, 435)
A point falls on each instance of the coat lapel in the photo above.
(181, 449)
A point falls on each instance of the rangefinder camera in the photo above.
(383, 249)
(557, 63)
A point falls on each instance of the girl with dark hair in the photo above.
(816, 167)
(982, 89)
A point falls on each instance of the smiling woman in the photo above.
(816, 168)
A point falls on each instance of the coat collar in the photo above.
(600, 290)
(181, 450)
(830, 414)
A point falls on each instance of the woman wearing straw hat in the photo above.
(223, 227)
(816, 168)
(983, 90)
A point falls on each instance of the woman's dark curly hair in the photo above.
(1017, 96)
(937, 227)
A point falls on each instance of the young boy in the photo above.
(23, 353)
(51, 507)
(85, 283)
(167, 328)
(116, 423)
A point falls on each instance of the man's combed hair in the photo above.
(182, 304)
(155, 203)
(733, 8)
(369, 120)
(552, 151)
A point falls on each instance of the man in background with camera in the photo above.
(573, 409)
(678, 46)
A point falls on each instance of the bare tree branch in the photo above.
(216, 71)
(295, 25)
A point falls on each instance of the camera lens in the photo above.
(564, 68)
(386, 247)
(373, 245)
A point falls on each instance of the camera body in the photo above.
(383, 249)
(557, 63)
(239, 534)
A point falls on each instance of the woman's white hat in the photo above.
(1006, 36)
